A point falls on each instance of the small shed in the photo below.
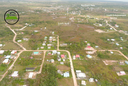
(66, 74)
(30, 69)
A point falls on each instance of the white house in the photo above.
(6, 61)
(83, 82)
(91, 80)
(15, 74)
(14, 51)
(30, 75)
(1, 51)
(1, 45)
(19, 40)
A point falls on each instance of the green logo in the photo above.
(11, 17)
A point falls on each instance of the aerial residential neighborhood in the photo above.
(63, 43)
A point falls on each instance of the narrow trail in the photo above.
(14, 38)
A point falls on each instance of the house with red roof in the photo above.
(77, 56)
(62, 56)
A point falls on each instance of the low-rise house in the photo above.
(77, 56)
(58, 53)
(36, 53)
(80, 75)
(42, 47)
(66, 74)
(30, 75)
(121, 73)
(83, 82)
(19, 40)
(8, 56)
(30, 69)
(90, 52)
(15, 74)
(54, 51)
(25, 39)
(59, 59)
(89, 56)
(1, 51)
(14, 52)
(1, 45)
(117, 44)
(60, 72)
(112, 39)
(126, 62)
(52, 60)
(62, 63)
(43, 44)
(62, 56)
(91, 80)
(89, 48)
(49, 47)
(6, 61)
(36, 31)
(74, 57)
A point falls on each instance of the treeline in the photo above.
(48, 77)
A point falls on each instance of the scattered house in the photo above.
(59, 59)
(74, 57)
(25, 39)
(66, 74)
(58, 53)
(90, 52)
(60, 72)
(8, 57)
(14, 52)
(49, 47)
(108, 39)
(111, 52)
(63, 45)
(126, 62)
(52, 61)
(36, 53)
(83, 82)
(6, 61)
(96, 46)
(45, 28)
(80, 75)
(36, 31)
(1, 51)
(77, 56)
(43, 44)
(121, 73)
(110, 28)
(89, 56)
(1, 45)
(100, 25)
(91, 80)
(19, 40)
(121, 48)
(116, 25)
(62, 63)
(49, 53)
(62, 56)
(15, 74)
(54, 52)
(42, 47)
(30, 69)
(45, 38)
(121, 62)
(30, 75)
(117, 44)
(89, 48)
(112, 39)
